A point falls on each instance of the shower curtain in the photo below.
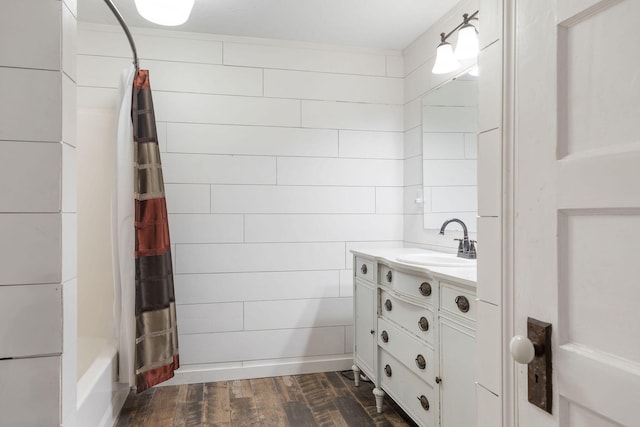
(145, 303)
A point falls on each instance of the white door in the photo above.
(577, 205)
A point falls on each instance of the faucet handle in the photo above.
(460, 246)
(472, 249)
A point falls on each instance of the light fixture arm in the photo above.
(123, 24)
(466, 18)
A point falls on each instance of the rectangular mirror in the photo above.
(449, 152)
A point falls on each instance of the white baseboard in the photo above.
(203, 373)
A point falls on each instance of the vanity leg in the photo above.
(356, 375)
(379, 394)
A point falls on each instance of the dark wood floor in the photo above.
(323, 400)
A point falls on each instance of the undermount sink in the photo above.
(437, 260)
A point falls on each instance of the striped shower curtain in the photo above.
(156, 338)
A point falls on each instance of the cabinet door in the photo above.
(457, 370)
(364, 330)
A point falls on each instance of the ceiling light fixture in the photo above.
(165, 12)
(466, 48)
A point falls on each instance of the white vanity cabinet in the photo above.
(423, 329)
(364, 314)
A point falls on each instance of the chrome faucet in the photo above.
(466, 247)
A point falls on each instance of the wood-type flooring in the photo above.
(313, 400)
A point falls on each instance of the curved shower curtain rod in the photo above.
(123, 24)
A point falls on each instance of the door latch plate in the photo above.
(540, 387)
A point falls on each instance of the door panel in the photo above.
(582, 417)
(577, 204)
(594, 47)
(604, 383)
(598, 302)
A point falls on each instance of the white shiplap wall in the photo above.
(419, 58)
(38, 212)
(279, 158)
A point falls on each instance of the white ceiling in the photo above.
(388, 24)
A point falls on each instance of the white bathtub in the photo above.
(100, 396)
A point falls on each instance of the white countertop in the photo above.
(464, 275)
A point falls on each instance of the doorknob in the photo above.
(522, 349)
(534, 350)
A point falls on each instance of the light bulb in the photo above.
(446, 62)
(165, 12)
(467, 46)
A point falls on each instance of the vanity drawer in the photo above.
(364, 268)
(457, 301)
(417, 356)
(416, 319)
(408, 390)
(386, 275)
(417, 287)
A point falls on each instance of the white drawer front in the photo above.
(418, 357)
(30, 392)
(364, 269)
(407, 389)
(414, 318)
(422, 289)
(30, 320)
(386, 275)
(457, 301)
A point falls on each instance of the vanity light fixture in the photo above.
(446, 61)
(165, 12)
(466, 48)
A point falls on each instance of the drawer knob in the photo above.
(385, 336)
(372, 332)
(389, 276)
(438, 380)
(463, 303)
(387, 370)
(388, 305)
(425, 289)
(424, 402)
(420, 362)
(423, 324)
(364, 268)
